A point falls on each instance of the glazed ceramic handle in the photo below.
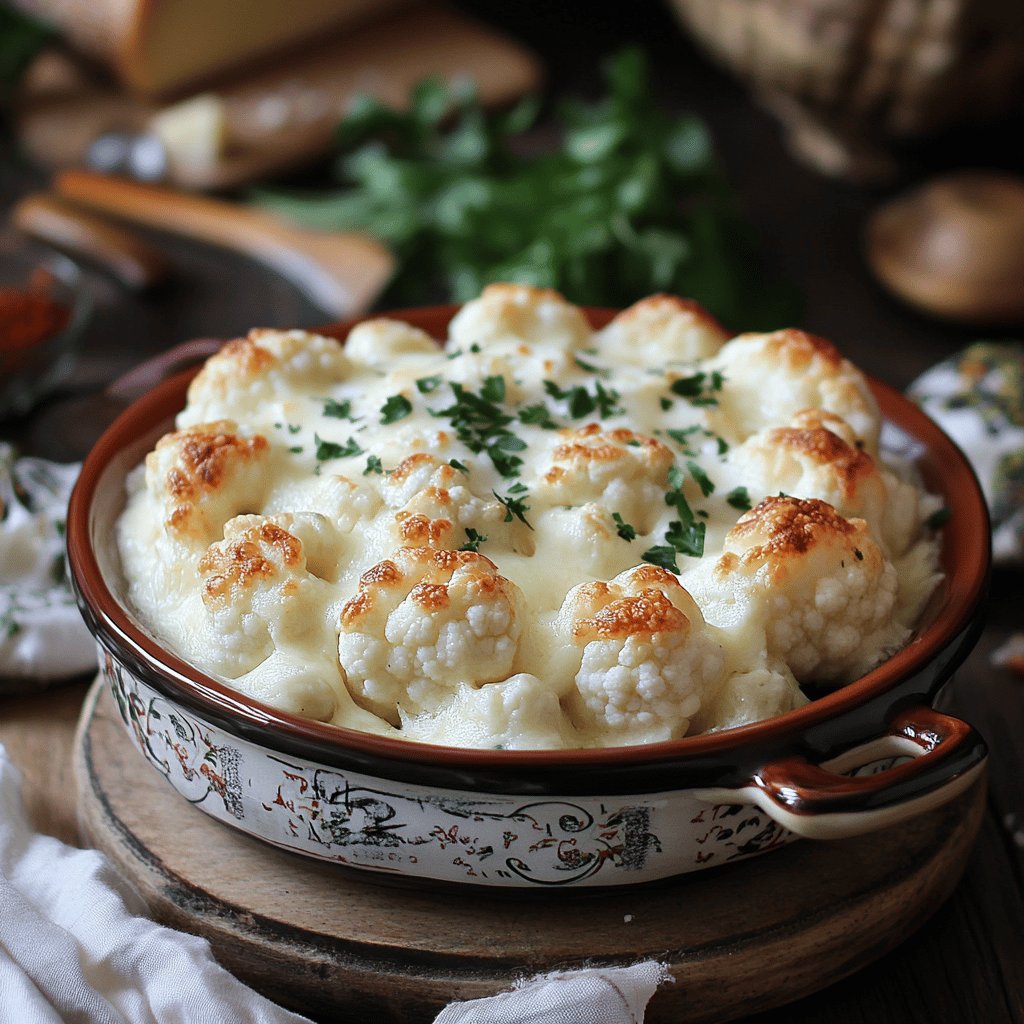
(818, 801)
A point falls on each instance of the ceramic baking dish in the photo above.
(864, 757)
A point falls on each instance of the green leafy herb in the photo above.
(373, 465)
(601, 371)
(455, 464)
(699, 389)
(581, 402)
(514, 508)
(665, 403)
(426, 385)
(326, 450)
(395, 408)
(624, 530)
(739, 498)
(296, 449)
(474, 540)
(538, 415)
(482, 425)
(702, 479)
(663, 555)
(338, 410)
(632, 202)
(493, 389)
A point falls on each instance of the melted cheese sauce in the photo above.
(538, 536)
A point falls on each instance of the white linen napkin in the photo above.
(76, 945)
(42, 635)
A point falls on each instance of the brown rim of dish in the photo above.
(965, 561)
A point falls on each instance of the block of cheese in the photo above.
(159, 48)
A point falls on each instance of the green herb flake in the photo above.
(515, 508)
(739, 498)
(338, 410)
(455, 464)
(493, 389)
(327, 450)
(538, 415)
(396, 408)
(474, 540)
(373, 465)
(600, 371)
(425, 385)
(702, 479)
(296, 449)
(665, 403)
(663, 555)
(623, 529)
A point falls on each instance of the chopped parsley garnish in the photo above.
(739, 498)
(294, 428)
(296, 449)
(665, 403)
(702, 479)
(939, 519)
(373, 465)
(600, 371)
(338, 410)
(427, 384)
(515, 508)
(684, 536)
(517, 488)
(493, 389)
(698, 389)
(624, 530)
(474, 540)
(482, 425)
(326, 450)
(397, 407)
(455, 464)
(581, 402)
(538, 415)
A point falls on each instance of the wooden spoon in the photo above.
(955, 247)
(340, 272)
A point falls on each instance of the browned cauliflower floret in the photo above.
(266, 366)
(621, 470)
(647, 659)
(813, 460)
(817, 583)
(661, 329)
(204, 476)
(377, 343)
(422, 623)
(262, 591)
(518, 313)
(770, 377)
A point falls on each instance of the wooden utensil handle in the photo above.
(123, 254)
(341, 273)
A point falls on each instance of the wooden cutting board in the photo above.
(342, 946)
(286, 112)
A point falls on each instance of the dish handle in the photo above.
(938, 758)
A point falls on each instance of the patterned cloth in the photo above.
(42, 635)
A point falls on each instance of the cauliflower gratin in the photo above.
(537, 536)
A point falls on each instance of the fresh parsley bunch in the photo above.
(631, 203)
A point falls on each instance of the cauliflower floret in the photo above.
(423, 622)
(750, 696)
(378, 343)
(600, 547)
(621, 470)
(446, 514)
(810, 459)
(661, 329)
(205, 475)
(647, 659)
(518, 313)
(344, 502)
(260, 595)
(518, 713)
(259, 373)
(769, 377)
(818, 585)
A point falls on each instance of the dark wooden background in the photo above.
(967, 963)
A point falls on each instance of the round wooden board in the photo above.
(342, 946)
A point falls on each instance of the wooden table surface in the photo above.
(967, 964)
